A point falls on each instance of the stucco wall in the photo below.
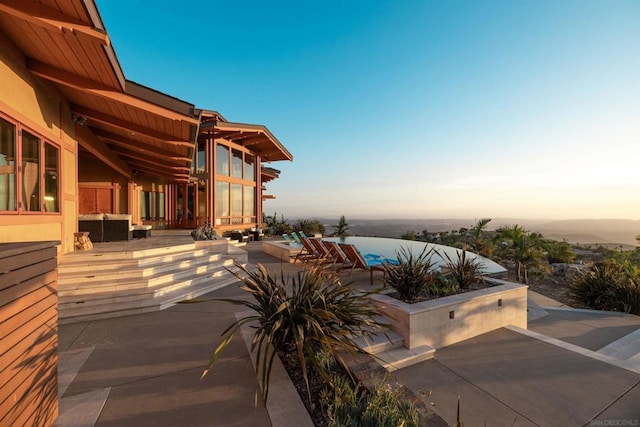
(448, 320)
(39, 106)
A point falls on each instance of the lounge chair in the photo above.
(337, 254)
(320, 247)
(302, 234)
(308, 252)
(296, 238)
(287, 238)
(359, 262)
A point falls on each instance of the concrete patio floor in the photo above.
(145, 370)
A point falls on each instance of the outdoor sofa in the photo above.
(107, 227)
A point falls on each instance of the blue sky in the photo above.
(413, 109)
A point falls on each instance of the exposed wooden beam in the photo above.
(144, 149)
(127, 126)
(89, 142)
(85, 85)
(138, 160)
(51, 19)
(255, 139)
(225, 134)
(161, 173)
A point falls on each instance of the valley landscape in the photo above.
(611, 233)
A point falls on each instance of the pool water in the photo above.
(373, 247)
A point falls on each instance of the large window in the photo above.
(249, 167)
(35, 187)
(222, 160)
(235, 186)
(30, 172)
(222, 203)
(249, 203)
(7, 166)
(152, 206)
(236, 163)
(201, 158)
(51, 179)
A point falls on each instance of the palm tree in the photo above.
(477, 242)
(522, 247)
(341, 228)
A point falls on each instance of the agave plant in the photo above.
(320, 315)
(411, 275)
(465, 271)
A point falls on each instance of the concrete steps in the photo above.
(95, 286)
(387, 348)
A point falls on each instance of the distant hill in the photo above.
(621, 231)
(583, 231)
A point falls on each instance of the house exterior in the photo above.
(77, 137)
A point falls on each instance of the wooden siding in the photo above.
(28, 334)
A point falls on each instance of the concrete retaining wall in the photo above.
(448, 320)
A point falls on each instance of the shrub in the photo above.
(317, 316)
(464, 271)
(411, 275)
(354, 406)
(275, 226)
(203, 232)
(442, 285)
(309, 226)
(608, 286)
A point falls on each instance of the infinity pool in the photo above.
(388, 248)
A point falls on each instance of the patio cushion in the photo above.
(142, 227)
(91, 217)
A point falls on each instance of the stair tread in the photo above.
(380, 341)
(116, 264)
(148, 280)
(142, 290)
(97, 280)
(104, 310)
(402, 357)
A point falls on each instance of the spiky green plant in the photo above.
(385, 406)
(317, 316)
(341, 228)
(411, 275)
(463, 270)
(608, 286)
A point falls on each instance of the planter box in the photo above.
(280, 249)
(448, 320)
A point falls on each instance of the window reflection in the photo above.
(222, 160)
(51, 179)
(30, 172)
(7, 166)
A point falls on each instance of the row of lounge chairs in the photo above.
(343, 255)
(295, 238)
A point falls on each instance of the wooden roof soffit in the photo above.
(135, 158)
(85, 85)
(162, 173)
(144, 149)
(127, 126)
(96, 147)
(51, 19)
(258, 131)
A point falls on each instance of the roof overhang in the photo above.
(65, 43)
(257, 138)
(268, 174)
